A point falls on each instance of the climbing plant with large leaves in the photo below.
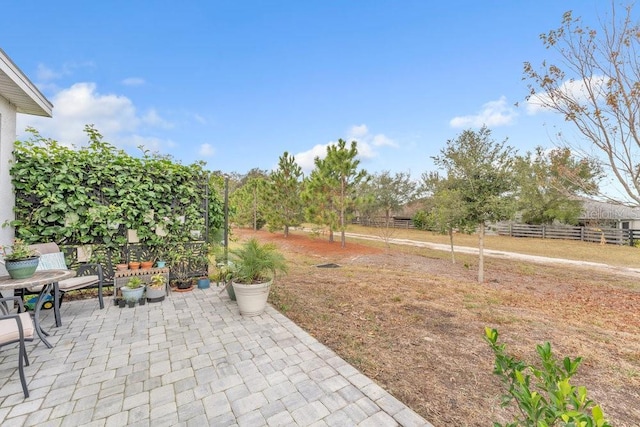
(94, 194)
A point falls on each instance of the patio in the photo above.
(189, 360)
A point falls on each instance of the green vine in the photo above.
(94, 194)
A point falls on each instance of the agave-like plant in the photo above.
(256, 263)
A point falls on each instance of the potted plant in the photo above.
(222, 276)
(119, 263)
(156, 289)
(180, 256)
(21, 262)
(254, 267)
(133, 290)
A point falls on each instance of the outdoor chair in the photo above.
(16, 328)
(51, 258)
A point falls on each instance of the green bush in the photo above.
(94, 194)
(543, 396)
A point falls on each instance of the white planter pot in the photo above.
(155, 295)
(252, 299)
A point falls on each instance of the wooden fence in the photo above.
(381, 222)
(613, 236)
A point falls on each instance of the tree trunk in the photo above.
(453, 255)
(286, 231)
(255, 209)
(481, 253)
(343, 242)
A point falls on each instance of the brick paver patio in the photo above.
(190, 360)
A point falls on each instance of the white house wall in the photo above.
(7, 137)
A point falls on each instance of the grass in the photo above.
(412, 321)
(621, 256)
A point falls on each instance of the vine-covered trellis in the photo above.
(113, 205)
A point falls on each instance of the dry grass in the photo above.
(414, 322)
(621, 256)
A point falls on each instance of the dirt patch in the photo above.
(413, 321)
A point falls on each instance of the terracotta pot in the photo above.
(134, 265)
(145, 265)
(121, 267)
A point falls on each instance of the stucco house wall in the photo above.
(17, 95)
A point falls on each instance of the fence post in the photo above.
(544, 232)
(630, 233)
(582, 234)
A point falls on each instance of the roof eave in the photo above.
(16, 87)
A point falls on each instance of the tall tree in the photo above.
(331, 187)
(248, 200)
(284, 202)
(481, 170)
(318, 197)
(595, 84)
(342, 172)
(551, 183)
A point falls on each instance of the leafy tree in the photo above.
(384, 193)
(446, 209)
(481, 172)
(284, 202)
(595, 84)
(550, 183)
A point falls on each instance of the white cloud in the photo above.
(383, 141)
(45, 73)
(133, 81)
(359, 133)
(206, 150)
(492, 114)
(152, 118)
(575, 89)
(306, 159)
(114, 116)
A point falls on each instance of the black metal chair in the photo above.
(16, 328)
(51, 258)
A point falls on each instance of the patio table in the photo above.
(48, 279)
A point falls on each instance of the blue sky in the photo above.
(237, 83)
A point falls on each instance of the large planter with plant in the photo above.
(156, 289)
(133, 290)
(22, 261)
(255, 266)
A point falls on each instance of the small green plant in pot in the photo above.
(20, 260)
(254, 267)
(133, 290)
(156, 289)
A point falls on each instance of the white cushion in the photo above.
(78, 282)
(9, 329)
(54, 261)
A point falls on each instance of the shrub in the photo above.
(544, 397)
